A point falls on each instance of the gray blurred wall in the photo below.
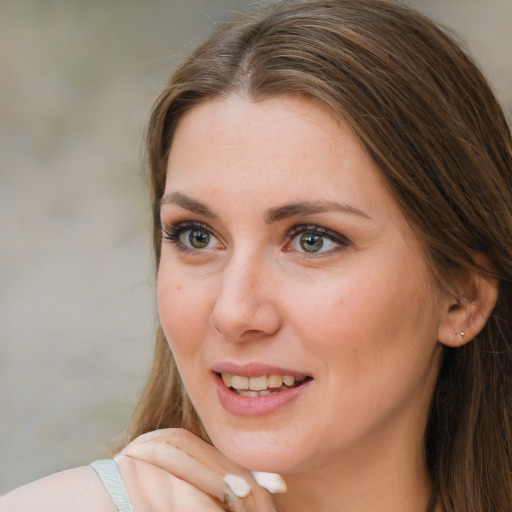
(77, 79)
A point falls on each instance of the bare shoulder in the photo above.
(149, 488)
(77, 490)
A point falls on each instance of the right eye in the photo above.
(312, 240)
(190, 236)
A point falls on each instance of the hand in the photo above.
(150, 464)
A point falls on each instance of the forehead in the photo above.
(283, 139)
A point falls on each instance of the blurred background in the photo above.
(77, 80)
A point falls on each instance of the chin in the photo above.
(260, 451)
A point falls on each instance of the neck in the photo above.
(392, 492)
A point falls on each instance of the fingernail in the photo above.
(273, 482)
(238, 485)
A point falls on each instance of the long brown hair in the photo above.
(429, 120)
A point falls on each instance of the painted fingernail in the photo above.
(238, 485)
(273, 482)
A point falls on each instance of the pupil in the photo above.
(199, 239)
(311, 243)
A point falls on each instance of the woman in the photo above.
(332, 228)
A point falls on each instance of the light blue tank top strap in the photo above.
(109, 475)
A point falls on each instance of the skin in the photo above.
(362, 317)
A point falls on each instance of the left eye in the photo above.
(198, 238)
(188, 236)
(315, 240)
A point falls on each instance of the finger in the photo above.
(238, 485)
(204, 466)
(193, 446)
(151, 488)
(181, 465)
(178, 463)
(273, 482)
(211, 457)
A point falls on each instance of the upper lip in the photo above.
(255, 369)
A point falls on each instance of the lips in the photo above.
(258, 389)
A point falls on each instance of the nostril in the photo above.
(251, 334)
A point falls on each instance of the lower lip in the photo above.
(257, 405)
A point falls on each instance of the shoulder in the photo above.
(149, 488)
(77, 490)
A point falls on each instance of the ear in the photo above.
(468, 311)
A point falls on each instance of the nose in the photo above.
(246, 305)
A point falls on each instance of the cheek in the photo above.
(390, 331)
(183, 310)
(376, 341)
(367, 321)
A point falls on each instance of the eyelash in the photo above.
(316, 230)
(173, 233)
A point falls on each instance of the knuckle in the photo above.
(179, 435)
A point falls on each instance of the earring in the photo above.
(461, 333)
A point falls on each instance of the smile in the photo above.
(255, 390)
(262, 385)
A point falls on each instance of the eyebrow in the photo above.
(309, 208)
(272, 214)
(189, 204)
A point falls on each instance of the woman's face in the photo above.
(287, 266)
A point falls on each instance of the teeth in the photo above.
(249, 393)
(226, 377)
(288, 380)
(252, 394)
(258, 383)
(239, 382)
(261, 385)
(275, 381)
